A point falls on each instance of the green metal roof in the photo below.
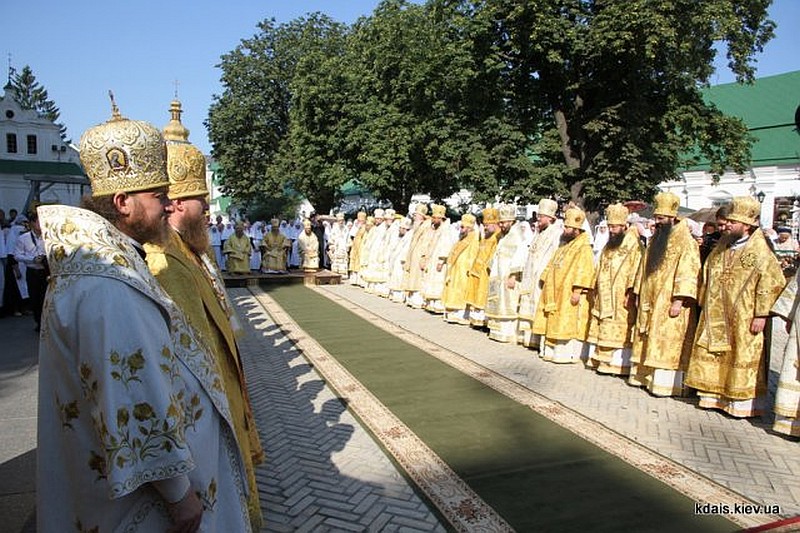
(46, 168)
(767, 107)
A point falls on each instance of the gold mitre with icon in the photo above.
(574, 217)
(123, 155)
(666, 204)
(746, 210)
(547, 207)
(507, 213)
(491, 215)
(421, 209)
(186, 165)
(468, 219)
(438, 211)
(616, 215)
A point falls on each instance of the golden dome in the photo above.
(175, 130)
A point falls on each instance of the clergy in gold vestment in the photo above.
(358, 231)
(562, 315)
(741, 281)
(397, 259)
(666, 289)
(435, 260)
(460, 260)
(505, 274)
(274, 249)
(612, 313)
(237, 251)
(417, 257)
(308, 248)
(542, 248)
(787, 397)
(181, 266)
(478, 286)
(371, 251)
(412, 279)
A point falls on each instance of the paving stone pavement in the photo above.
(743, 455)
(323, 470)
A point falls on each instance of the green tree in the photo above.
(619, 86)
(425, 112)
(30, 94)
(248, 123)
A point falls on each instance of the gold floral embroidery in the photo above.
(88, 385)
(67, 412)
(748, 260)
(209, 496)
(127, 367)
(151, 435)
(169, 366)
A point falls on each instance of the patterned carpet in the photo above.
(488, 456)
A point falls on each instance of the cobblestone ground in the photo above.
(323, 470)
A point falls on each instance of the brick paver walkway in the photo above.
(323, 470)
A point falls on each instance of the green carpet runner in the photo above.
(537, 475)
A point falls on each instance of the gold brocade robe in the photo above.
(478, 286)
(238, 250)
(370, 253)
(660, 341)
(461, 258)
(738, 285)
(355, 249)
(181, 274)
(273, 251)
(308, 248)
(440, 246)
(611, 322)
(418, 256)
(572, 266)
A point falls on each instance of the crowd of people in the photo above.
(144, 420)
(675, 306)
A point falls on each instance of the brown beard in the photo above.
(142, 231)
(657, 247)
(568, 237)
(729, 238)
(195, 235)
(615, 240)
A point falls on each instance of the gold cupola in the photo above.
(175, 131)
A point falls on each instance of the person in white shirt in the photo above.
(29, 251)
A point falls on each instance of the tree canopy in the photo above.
(589, 100)
(30, 94)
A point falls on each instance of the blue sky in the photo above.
(79, 50)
